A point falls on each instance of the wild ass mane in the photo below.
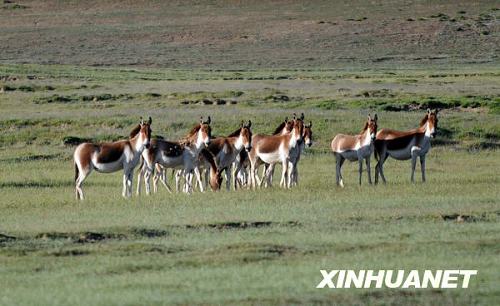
(279, 128)
(364, 128)
(135, 131)
(186, 140)
(424, 120)
(235, 133)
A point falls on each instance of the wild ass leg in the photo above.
(147, 179)
(252, 176)
(157, 176)
(130, 180)
(262, 181)
(198, 179)
(165, 183)
(228, 178)
(290, 170)
(243, 178)
(369, 170)
(360, 162)
(268, 176)
(295, 175)
(264, 176)
(254, 166)
(283, 182)
(422, 167)
(124, 191)
(235, 169)
(139, 178)
(127, 183)
(160, 175)
(178, 175)
(82, 175)
(189, 181)
(379, 168)
(338, 172)
(413, 165)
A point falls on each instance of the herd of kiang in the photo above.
(198, 160)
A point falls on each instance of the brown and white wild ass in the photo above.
(284, 129)
(112, 157)
(241, 164)
(406, 145)
(267, 173)
(276, 149)
(178, 155)
(227, 149)
(355, 148)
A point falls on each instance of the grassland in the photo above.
(244, 247)
(73, 70)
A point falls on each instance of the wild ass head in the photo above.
(308, 134)
(371, 126)
(298, 127)
(284, 128)
(204, 133)
(246, 135)
(142, 133)
(432, 122)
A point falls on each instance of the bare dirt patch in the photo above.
(242, 225)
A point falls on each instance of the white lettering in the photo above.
(430, 277)
(447, 278)
(327, 279)
(378, 278)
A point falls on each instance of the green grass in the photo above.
(244, 247)
(162, 248)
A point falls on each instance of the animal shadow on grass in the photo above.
(47, 184)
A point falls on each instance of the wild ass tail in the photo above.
(77, 172)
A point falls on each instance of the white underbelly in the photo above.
(108, 167)
(270, 158)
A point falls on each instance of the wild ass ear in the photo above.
(375, 117)
(310, 124)
(294, 116)
(242, 123)
(286, 119)
(209, 120)
(428, 111)
(142, 121)
(150, 121)
(249, 123)
(369, 117)
(201, 120)
(302, 116)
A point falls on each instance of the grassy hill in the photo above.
(251, 34)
